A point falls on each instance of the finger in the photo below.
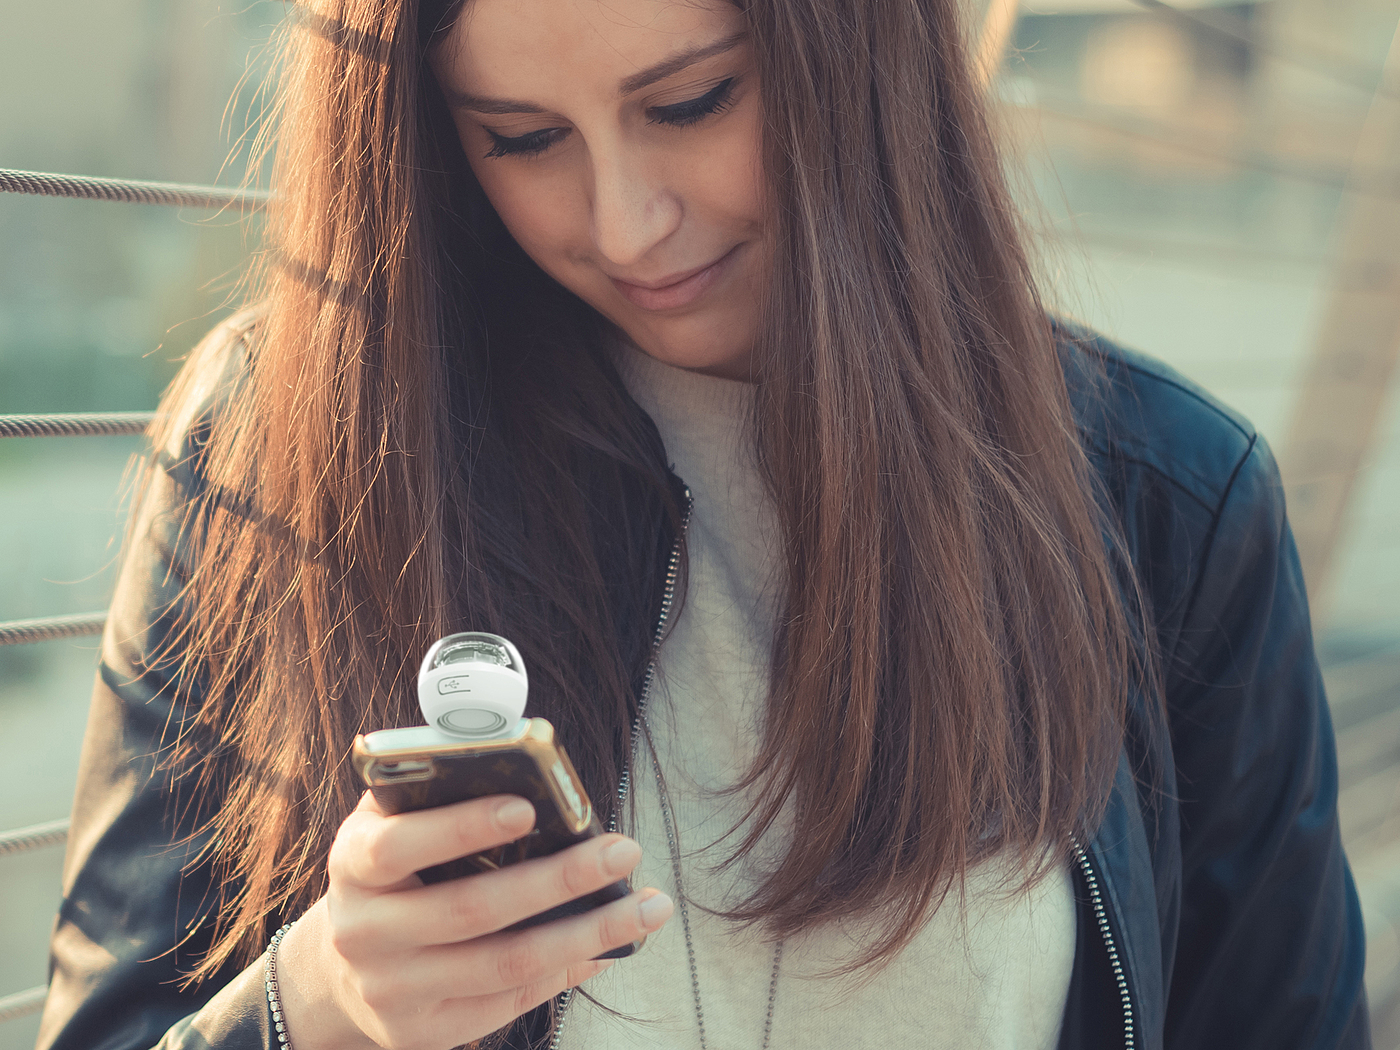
(466, 908)
(523, 958)
(375, 850)
(490, 1013)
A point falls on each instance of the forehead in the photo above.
(525, 47)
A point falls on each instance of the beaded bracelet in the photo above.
(274, 1001)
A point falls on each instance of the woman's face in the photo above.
(619, 141)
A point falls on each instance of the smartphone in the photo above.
(421, 767)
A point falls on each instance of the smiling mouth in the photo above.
(676, 293)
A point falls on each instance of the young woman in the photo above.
(692, 347)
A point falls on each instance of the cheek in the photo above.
(538, 204)
(725, 175)
(546, 215)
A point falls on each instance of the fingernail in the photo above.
(514, 812)
(655, 910)
(621, 857)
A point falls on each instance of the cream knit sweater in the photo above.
(992, 973)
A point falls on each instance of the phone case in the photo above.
(412, 769)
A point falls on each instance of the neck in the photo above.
(737, 369)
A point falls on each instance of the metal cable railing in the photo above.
(130, 191)
(22, 840)
(51, 628)
(36, 836)
(85, 424)
(22, 1004)
(76, 424)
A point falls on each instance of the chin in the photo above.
(697, 344)
(730, 366)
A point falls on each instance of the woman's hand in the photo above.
(383, 960)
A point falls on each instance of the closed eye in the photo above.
(694, 110)
(528, 145)
(676, 115)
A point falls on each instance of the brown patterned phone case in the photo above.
(411, 770)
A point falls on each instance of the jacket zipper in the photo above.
(1091, 879)
(624, 782)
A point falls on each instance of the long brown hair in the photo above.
(428, 436)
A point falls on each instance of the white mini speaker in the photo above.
(473, 685)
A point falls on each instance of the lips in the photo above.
(674, 292)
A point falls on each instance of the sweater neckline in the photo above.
(678, 399)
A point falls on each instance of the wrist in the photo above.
(312, 1016)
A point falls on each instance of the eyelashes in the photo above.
(679, 115)
(694, 110)
(530, 145)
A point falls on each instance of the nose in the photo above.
(634, 207)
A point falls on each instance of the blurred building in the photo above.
(1187, 166)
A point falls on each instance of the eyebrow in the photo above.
(644, 78)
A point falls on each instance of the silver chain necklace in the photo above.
(639, 723)
(673, 843)
(623, 790)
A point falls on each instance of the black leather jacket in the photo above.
(1215, 907)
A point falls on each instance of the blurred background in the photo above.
(1218, 185)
